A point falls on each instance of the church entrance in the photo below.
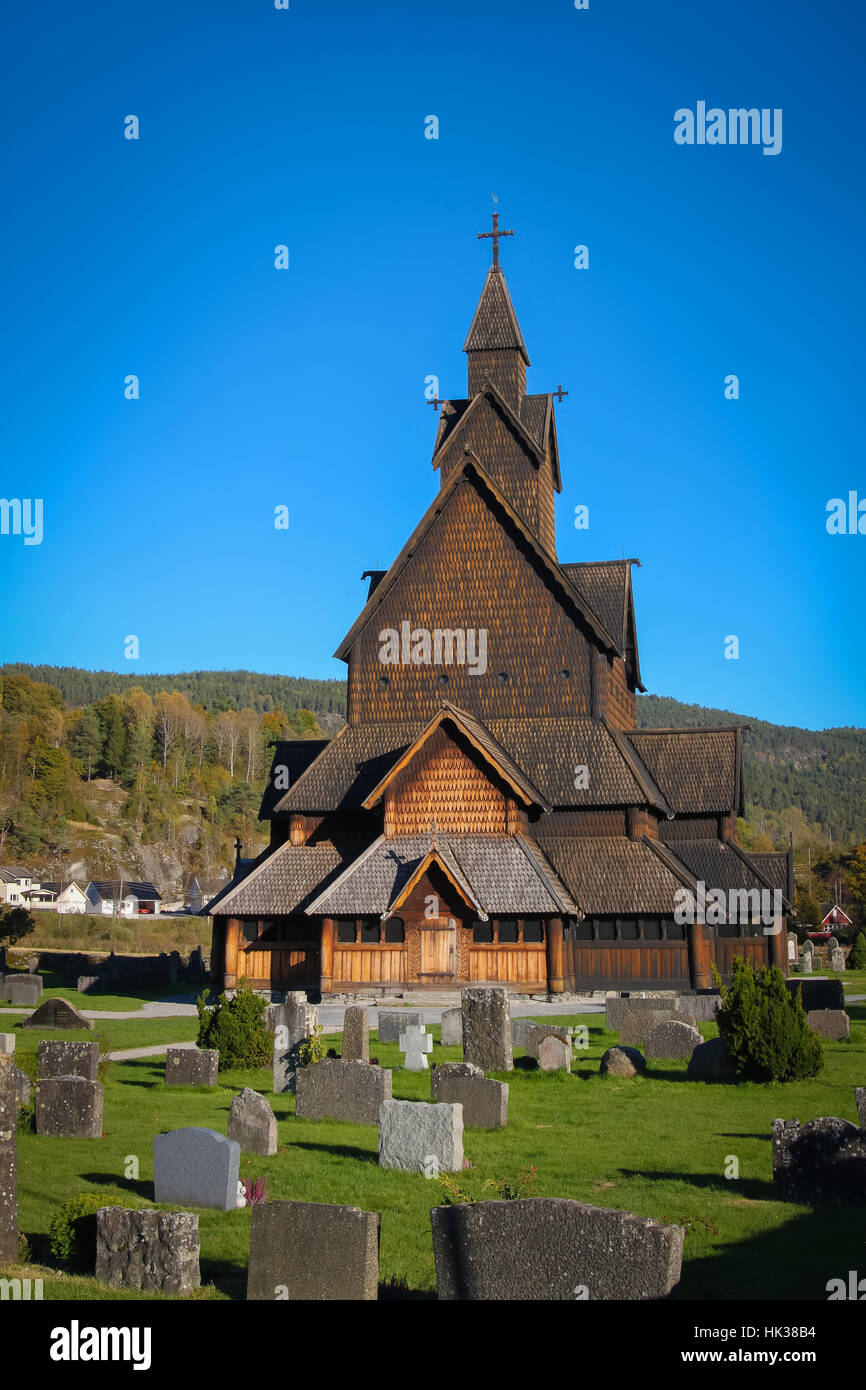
(438, 952)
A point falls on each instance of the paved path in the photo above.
(129, 1054)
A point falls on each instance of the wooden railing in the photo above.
(363, 965)
(521, 966)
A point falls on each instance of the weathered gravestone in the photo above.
(818, 994)
(22, 991)
(69, 1107)
(356, 1035)
(392, 1024)
(792, 947)
(622, 1061)
(837, 960)
(88, 984)
(293, 1022)
(832, 944)
(617, 1006)
(198, 1166)
(416, 1043)
(155, 1251)
(253, 1124)
(294, 1014)
(554, 1054)
(711, 1061)
(310, 1251)
(860, 1101)
(192, 1066)
(484, 1101)
(535, 1033)
(56, 1013)
(822, 1161)
(22, 1086)
(452, 1028)
(420, 1138)
(338, 1090)
(68, 1059)
(519, 1028)
(8, 1163)
(7, 1044)
(807, 958)
(672, 1040)
(487, 1028)
(636, 1026)
(833, 1024)
(552, 1248)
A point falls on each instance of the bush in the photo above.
(237, 1029)
(313, 1049)
(72, 1233)
(857, 954)
(765, 1027)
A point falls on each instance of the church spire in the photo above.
(494, 344)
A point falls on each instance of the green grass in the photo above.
(656, 1145)
(113, 1003)
(120, 1033)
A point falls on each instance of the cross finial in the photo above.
(559, 393)
(495, 234)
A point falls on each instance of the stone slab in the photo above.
(88, 984)
(484, 1101)
(21, 991)
(535, 1033)
(196, 1166)
(192, 1066)
(832, 1024)
(711, 1061)
(356, 1035)
(551, 1248)
(487, 1028)
(339, 1090)
(57, 1013)
(7, 1044)
(822, 1161)
(452, 1028)
(253, 1124)
(68, 1059)
(155, 1251)
(8, 1162)
(420, 1138)
(311, 1251)
(391, 1023)
(637, 1025)
(554, 1054)
(69, 1107)
(672, 1041)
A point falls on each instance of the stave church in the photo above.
(490, 813)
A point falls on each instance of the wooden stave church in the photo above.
(511, 825)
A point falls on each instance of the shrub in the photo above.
(72, 1233)
(765, 1027)
(237, 1029)
(857, 954)
(24, 1254)
(313, 1049)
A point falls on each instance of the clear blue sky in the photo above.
(305, 387)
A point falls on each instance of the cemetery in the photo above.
(619, 1152)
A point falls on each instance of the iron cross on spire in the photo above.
(495, 234)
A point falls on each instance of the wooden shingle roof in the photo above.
(611, 874)
(282, 882)
(494, 325)
(698, 770)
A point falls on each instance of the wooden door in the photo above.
(438, 954)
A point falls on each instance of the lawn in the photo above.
(657, 1145)
(114, 1003)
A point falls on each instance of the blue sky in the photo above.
(305, 387)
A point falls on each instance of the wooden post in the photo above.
(327, 963)
(700, 956)
(554, 956)
(233, 932)
(779, 947)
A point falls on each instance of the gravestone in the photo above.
(87, 984)
(192, 1066)
(519, 1027)
(554, 1054)
(4, 989)
(452, 1028)
(822, 1161)
(622, 1061)
(303, 1251)
(294, 1014)
(617, 1006)
(56, 1013)
(416, 1043)
(636, 1026)
(818, 994)
(487, 1028)
(552, 1248)
(420, 1138)
(155, 1251)
(68, 1059)
(535, 1033)
(832, 1024)
(808, 953)
(22, 1086)
(293, 1022)
(198, 1166)
(672, 1040)
(8, 1163)
(69, 1107)
(832, 944)
(7, 1044)
(860, 1101)
(392, 1024)
(356, 1035)
(32, 965)
(22, 991)
(30, 977)
(338, 1090)
(792, 947)
(837, 960)
(701, 1008)
(253, 1124)
(484, 1101)
(711, 1061)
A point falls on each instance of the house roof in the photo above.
(111, 888)
(12, 873)
(722, 864)
(295, 756)
(611, 874)
(56, 887)
(494, 325)
(697, 770)
(533, 423)
(282, 882)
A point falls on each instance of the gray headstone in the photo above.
(22, 1086)
(617, 1006)
(416, 1043)
(860, 1100)
(554, 1054)
(823, 1161)
(792, 947)
(356, 1035)
(622, 1061)
(32, 964)
(192, 1066)
(8, 1163)
(302, 1251)
(452, 1028)
(421, 1138)
(56, 1013)
(338, 1090)
(487, 1028)
(253, 1124)
(837, 960)
(295, 1015)
(69, 1107)
(484, 1101)
(148, 1250)
(88, 984)
(832, 1024)
(198, 1166)
(293, 1022)
(519, 1028)
(535, 1033)
(672, 1040)
(391, 1024)
(7, 1044)
(636, 1026)
(551, 1248)
(807, 960)
(832, 944)
(68, 1059)
(22, 991)
(711, 1061)
(701, 1007)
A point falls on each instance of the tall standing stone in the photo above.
(452, 1028)
(837, 960)
(68, 1059)
(294, 1021)
(8, 1163)
(310, 1251)
(253, 1124)
(487, 1028)
(356, 1035)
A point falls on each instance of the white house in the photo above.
(64, 898)
(122, 898)
(15, 885)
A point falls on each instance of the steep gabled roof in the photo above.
(111, 888)
(607, 586)
(606, 874)
(295, 756)
(281, 883)
(348, 768)
(536, 418)
(698, 770)
(494, 325)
